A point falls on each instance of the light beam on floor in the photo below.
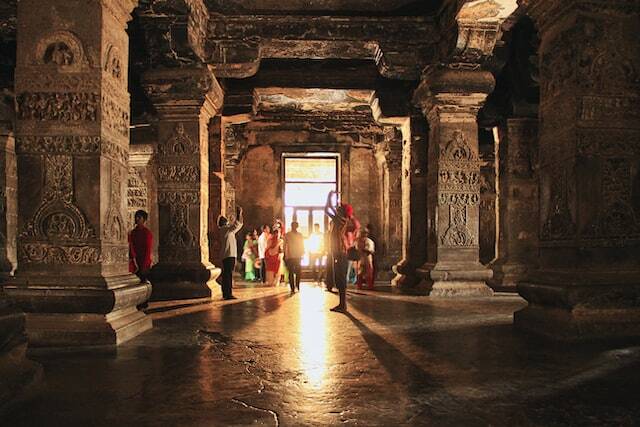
(313, 335)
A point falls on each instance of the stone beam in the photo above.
(401, 46)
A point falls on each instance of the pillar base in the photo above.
(407, 280)
(580, 312)
(184, 282)
(506, 275)
(104, 314)
(459, 280)
(21, 378)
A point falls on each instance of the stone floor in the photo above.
(271, 358)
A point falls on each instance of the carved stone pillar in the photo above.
(388, 155)
(487, 207)
(141, 190)
(518, 203)
(587, 285)
(451, 99)
(216, 187)
(414, 188)
(8, 201)
(72, 141)
(185, 100)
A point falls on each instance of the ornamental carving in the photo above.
(460, 199)
(458, 149)
(57, 217)
(137, 192)
(44, 253)
(64, 107)
(458, 233)
(115, 117)
(179, 173)
(63, 144)
(178, 197)
(61, 49)
(37, 81)
(179, 143)
(112, 63)
(114, 226)
(115, 255)
(180, 234)
(458, 180)
(559, 224)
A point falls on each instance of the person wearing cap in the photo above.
(344, 229)
(229, 251)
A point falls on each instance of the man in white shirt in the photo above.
(229, 251)
(262, 249)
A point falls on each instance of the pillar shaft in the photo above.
(587, 285)
(8, 201)
(185, 101)
(142, 190)
(518, 203)
(451, 100)
(72, 140)
(414, 205)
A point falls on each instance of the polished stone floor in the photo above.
(271, 358)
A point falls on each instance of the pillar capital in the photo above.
(183, 93)
(459, 91)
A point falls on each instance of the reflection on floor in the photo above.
(273, 358)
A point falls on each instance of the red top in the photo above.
(140, 248)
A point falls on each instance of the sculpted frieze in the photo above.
(57, 217)
(115, 255)
(61, 49)
(114, 226)
(459, 199)
(458, 233)
(179, 173)
(115, 116)
(63, 144)
(113, 65)
(45, 253)
(457, 149)
(180, 234)
(37, 79)
(65, 107)
(179, 143)
(459, 180)
(178, 197)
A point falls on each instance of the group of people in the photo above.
(275, 253)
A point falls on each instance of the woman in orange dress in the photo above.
(272, 257)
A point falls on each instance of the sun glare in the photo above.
(313, 336)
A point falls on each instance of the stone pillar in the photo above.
(141, 190)
(587, 285)
(8, 201)
(414, 217)
(216, 187)
(388, 155)
(185, 100)
(72, 141)
(518, 203)
(451, 99)
(487, 207)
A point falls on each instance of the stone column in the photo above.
(487, 207)
(185, 100)
(8, 201)
(72, 141)
(388, 155)
(141, 190)
(518, 203)
(451, 99)
(414, 217)
(216, 187)
(587, 285)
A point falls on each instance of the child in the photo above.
(140, 246)
(366, 249)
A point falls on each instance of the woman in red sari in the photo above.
(272, 257)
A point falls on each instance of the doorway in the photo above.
(307, 180)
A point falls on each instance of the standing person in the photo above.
(293, 253)
(140, 246)
(366, 249)
(344, 227)
(272, 258)
(372, 235)
(229, 251)
(248, 257)
(314, 247)
(256, 258)
(262, 248)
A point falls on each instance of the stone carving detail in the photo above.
(58, 218)
(179, 173)
(137, 193)
(559, 224)
(64, 107)
(114, 226)
(115, 255)
(43, 253)
(179, 143)
(458, 149)
(180, 234)
(115, 117)
(66, 144)
(112, 64)
(61, 49)
(458, 233)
